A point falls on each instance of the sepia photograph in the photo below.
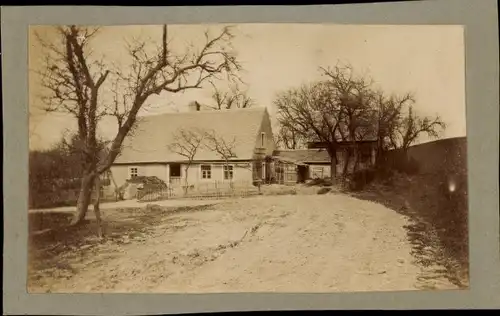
(254, 157)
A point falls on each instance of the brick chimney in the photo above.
(194, 106)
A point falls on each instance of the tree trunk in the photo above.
(379, 158)
(84, 198)
(97, 210)
(333, 166)
(347, 160)
(380, 150)
(356, 159)
(186, 180)
(406, 159)
(118, 194)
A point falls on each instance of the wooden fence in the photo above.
(201, 190)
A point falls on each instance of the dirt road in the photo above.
(302, 243)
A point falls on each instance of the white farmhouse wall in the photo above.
(120, 174)
(193, 173)
(156, 170)
(241, 172)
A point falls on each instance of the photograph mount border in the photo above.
(481, 50)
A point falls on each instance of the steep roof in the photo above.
(153, 134)
(303, 155)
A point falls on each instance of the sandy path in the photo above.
(309, 243)
(128, 204)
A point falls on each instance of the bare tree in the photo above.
(412, 126)
(117, 192)
(289, 138)
(97, 201)
(388, 118)
(398, 126)
(77, 83)
(312, 112)
(344, 107)
(186, 143)
(232, 98)
(354, 96)
(333, 110)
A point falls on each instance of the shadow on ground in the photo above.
(51, 249)
(438, 222)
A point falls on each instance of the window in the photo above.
(206, 172)
(317, 172)
(262, 139)
(228, 172)
(134, 172)
(175, 170)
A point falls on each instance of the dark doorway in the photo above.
(175, 170)
(302, 172)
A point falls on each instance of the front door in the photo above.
(302, 174)
(175, 174)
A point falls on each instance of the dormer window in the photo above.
(262, 139)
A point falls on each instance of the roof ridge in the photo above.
(255, 109)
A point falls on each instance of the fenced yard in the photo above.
(200, 190)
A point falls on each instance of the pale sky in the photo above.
(428, 61)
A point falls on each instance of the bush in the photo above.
(150, 184)
(324, 190)
(151, 180)
(70, 184)
(385, 176)
(325, 182)
(359, 179)
(406, 165)
(257, 183)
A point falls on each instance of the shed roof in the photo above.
(303, 155)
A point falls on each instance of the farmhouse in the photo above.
(254, 157)
(146, 151)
